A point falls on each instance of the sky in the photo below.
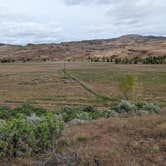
(54, 21)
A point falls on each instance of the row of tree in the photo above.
(24, 60)
(135, 60)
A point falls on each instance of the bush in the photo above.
(88, 109)
(20, 136)
(151, 107)
(82, 113)
(125, 106)
(97, 115)
(4, 112)
(128, 86)
(26, 109)
(83, 116)
(67, 113)
(2, 122)
(110, 113)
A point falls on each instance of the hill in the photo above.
(124, 46)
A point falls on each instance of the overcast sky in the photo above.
(45, 21)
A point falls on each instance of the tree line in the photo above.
(135, 60)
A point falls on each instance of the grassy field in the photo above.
(94, 84)
(127, 140)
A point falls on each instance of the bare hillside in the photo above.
(124, 46)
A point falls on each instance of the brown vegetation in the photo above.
(126, 46)
(130, 141)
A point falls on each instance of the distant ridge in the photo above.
(124, 46)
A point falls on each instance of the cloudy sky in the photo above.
(45, 21)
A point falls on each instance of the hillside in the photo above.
(124, 46)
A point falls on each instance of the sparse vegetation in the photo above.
(128, 107)
(112, 130)
(24, 134)
(128, 86)
(26, 130)
(81, 138)
(25, 109)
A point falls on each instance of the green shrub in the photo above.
(125, 106)
(128, 86)
(155, 149)
(4, 112)
(27, 110)
(2, 122)
(83, 116)
(82, 113)
(87, 109)
(67, 113)
(110, 113)
(150, 107)
(97, 114)
(20, 137)
(81, 138)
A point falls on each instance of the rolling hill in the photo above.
(121, 47)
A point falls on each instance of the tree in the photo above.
(128, 86)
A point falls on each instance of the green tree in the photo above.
(128, 86)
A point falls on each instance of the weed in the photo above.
(81, 138)
(155, 149)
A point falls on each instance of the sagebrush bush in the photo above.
(26, 109)
(19, 136)
(125, 106)
(33, 119)
(82, 113)
(151, 107)
(2, 122)
(97, 114)
(4, 112)
(83, 116)
(111, 113)
(67, 113)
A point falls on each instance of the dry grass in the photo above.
(46, 85)
(120, 141)
(132, 141)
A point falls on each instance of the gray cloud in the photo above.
(23, 21)
(17, 28)
(77, 2)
